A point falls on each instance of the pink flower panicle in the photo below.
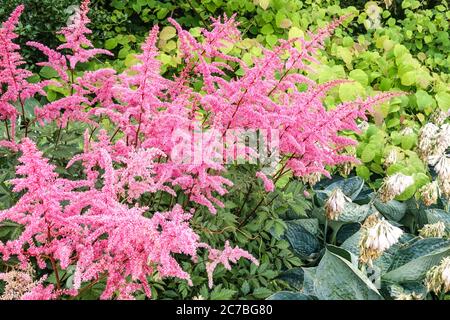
(76, 40)
(224, 257)
(11, 75)
(268, 184)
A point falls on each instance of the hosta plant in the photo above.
(122, 204)
(356, 244)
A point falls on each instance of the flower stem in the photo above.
(7, 130)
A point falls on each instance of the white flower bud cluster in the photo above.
(442, 140)
(430, 193)
(438, 278)
(336, 204)
(312, 178)
(439, 117)
(435, 230)
(18, 282)
(409, 296)
(394, 185)
(427, 140)
(433, 144)
(378, 236)
(391, 158)
(406, 131)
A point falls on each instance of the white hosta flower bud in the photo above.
(382, 236)
(444, 187)
(378, 236)
(394, 186)
(435, 230)
(439, 117)
(409, 296)
(442, 140)
(391, 158)
(346, 168)
(336, 204)
(427, 138)
(442, 167)
(312, 178)
(438, 277)
(407, 131)
(363, 125)
(430, 193)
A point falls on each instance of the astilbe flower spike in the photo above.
(76, 40)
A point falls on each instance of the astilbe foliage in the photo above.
(98, 224)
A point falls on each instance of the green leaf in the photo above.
(360, 76)
(264, 4)
(294, 277)
(338, 279)
(408, 141)
(288, 295)
(352, 243)
(443, 100)
(167, 33)
(354, 213)
(392, 210)
(220, 293)
(303, 243)
(408, 78)
(351, 187)
(423, 99)
(110, 43)
(48, 73)
(245, 288)
(368, 154)
(363, 172)
(309, 276)
(10, 230)
(412, 262)
(261, 293)
(267, 29)
(271, 39)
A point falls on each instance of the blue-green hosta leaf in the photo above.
(392, 210)
(413, 262)
(338, 279)
(385, 261)
(364, 196)
(303, 243)
(436, 215)
(346, 231)
(417, 288)
(354, 212)
(294, 277)
(417, 248)
(417, 208)
(347, 255)
(311, 225)
(351, 187)
(289, 295)
(352, 243)
(309, 276)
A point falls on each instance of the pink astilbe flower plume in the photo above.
(14, 78)
(76, 40)
(224, 257)
(97, 233)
